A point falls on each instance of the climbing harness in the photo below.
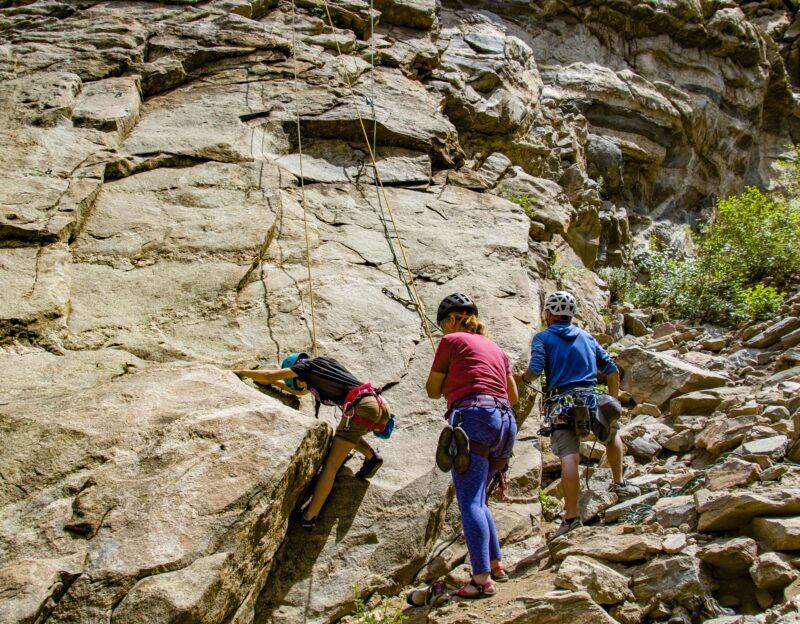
(569, 410)
(349, 408)
(499, 483)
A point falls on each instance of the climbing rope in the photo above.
(370, 151)
(639, 513)
(303, 188)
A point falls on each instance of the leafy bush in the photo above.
(754, 238)
(746, 255)
(760, 302)
(550, 505)
(748, 251)
(620, 282)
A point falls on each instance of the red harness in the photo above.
(349, 406)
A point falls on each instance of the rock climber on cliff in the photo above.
(569, 358)
(363, 410)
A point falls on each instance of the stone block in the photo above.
(773, 333)
(614, 513)
(604, 585)
(658, 377)
(777, 533)
(674, 511)
(677, 580)
(720, 511)
(769, 571)
(732, 556)
(732, 473)
(723, 434)
(606, 544)
(694, 403)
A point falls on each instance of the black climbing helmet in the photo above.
(457, 302)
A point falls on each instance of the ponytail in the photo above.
(469, 323)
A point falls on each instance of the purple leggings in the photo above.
(497, 428)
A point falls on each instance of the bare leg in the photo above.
(364, 448)
(482, 578)
(570, 483)
(336, 456)
(614, 452)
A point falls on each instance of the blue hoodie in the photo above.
(569, 357)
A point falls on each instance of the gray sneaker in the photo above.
(625, 490)
(565, 527)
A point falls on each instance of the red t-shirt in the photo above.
(473, 365)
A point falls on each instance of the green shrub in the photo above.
(620, 282)
(760, 302)
(550, 505)
(755, 238)
(748, 252)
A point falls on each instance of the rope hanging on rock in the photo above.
(303, 189)
(417, 299)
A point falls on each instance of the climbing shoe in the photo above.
(625, 490)
(461, 441)
(369, 467)
(566, 526)
(297, 515)
(416, 597)
(444, 459)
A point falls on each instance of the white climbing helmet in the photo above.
(560, 303)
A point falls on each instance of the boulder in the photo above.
(675, 543)
(772, 447)
(680, 442)
(777, 533)
(731, 557)
(677, 580)
(615, 512)
(732, 473)
(658, 377)
(165, 484)
(603, 584)
(643, 448)
(606, 544)
(773, 333)
(723, 434)
(557, 607)
(772, 573)
(694, 403)
(674, 511)
(727, 510)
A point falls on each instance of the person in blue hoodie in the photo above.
(570, 358)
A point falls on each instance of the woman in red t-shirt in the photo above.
(474, 375)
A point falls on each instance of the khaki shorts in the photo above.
(564, 442)
(366, 408)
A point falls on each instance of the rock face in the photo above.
(180, 470)
(178, 176)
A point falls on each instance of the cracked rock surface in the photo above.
(153, 235)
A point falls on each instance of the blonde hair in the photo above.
(469, 323)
